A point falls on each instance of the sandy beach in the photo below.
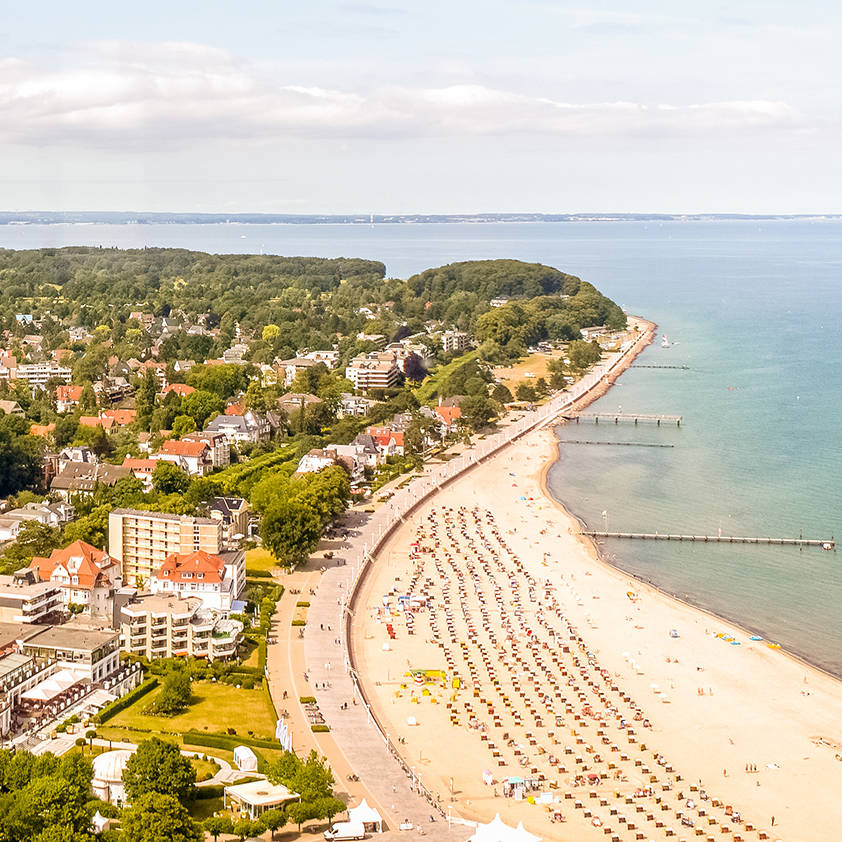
(622, 710)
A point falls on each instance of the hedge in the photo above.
(130, 698)
(319, 729)
(302, 604)
(261, 656)
(258, 574)
(265, 684)
(299, 622)
(226, 741)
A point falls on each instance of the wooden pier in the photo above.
(825, 543)
(646, 365)
(617, 417)
(616, 443)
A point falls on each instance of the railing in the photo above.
(406, 500)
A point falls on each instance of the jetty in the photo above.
(616, 443)
(825, 543)
(617, 417)
(649, 365)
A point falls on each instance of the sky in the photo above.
(441, 106)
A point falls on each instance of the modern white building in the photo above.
(217, 580)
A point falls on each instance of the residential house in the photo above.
(91, 654)
(193, 457)
(353, 406)
(76, 454)
(389, 442)
(142, 469)
(449, 416)
(376, 339)
(85, 576)
(42, 431)
(351, 456)
(314, 461)
(233, 514)
(83, 478)
(288, 370)
(67, 397)
(181, 389)
(295, 401)
(217, 580)
(107, 424)
(219, 449)
(368, 450)
(8, 367)
(247, 428)
(11, 408)
(328, 358)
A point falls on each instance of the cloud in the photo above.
(178, 93)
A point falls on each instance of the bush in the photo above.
(80, 741)
(226, 741)
(319, 729)
(302, 604)
(307, 700)
(258, 574)
(212, 791)
(299, 622)
(115, 707)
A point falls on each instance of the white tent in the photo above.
(369, 817)
(499, 831)
(51, 687)
(245, 759)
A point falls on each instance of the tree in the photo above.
(202, 405)
(169, 479)
(413, 367)
(175, 694)
(583, 354)
(216, 825)
(45, 803)
(158, 768)
(525, 392)
(273, 820)
(302, 811)
(145, 397)
(182, 425)
(92, 528)
(156, 816)
(501, 394)
(65, 430)
(87, 400)
(290, 530)
(20, 455)
(247, 827)
(270, 333)
(33, 539)
(477, 411)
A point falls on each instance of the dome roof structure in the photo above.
(108, 767)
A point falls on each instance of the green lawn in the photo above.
(215, 707)
(260, 559)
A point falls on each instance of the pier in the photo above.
(616, 443)
(825, 543)
(617, 417)
(646, 365)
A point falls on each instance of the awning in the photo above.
(53, 686)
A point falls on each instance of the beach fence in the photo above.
(384, 521)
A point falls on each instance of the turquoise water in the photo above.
(755, 309)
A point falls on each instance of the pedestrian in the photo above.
(773, 821)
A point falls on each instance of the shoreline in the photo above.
(757, 693)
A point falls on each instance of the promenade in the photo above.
(331, 677)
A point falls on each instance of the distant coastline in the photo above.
(143, 218)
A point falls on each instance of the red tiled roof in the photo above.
(146, 466)
(449, 414)
(42, 430)
(176, 447)
(96, 421)
(122, 417)
(175, 567)
(68, 393)
(234, 409)
(181, 389)
(87, 557)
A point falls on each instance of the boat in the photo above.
(665, 343)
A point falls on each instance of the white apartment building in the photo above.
(37, 374)
(142, 541)
(454, 340)
(168, 626)
(25, 601)
(377, 370)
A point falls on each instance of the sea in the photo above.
(752, 312)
